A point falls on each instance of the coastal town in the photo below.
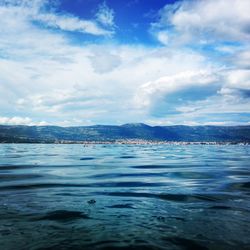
(148, 142)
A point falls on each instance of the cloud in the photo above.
(242, 59)
(38, 11)
(105, 15)
(82, 87)
(203, 96)
(164, 86)
(205, 21)
(163, 37)
(71, 23)
(46, 76)
(104, 61)
(20, 121)
(239, 79)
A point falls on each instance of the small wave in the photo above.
(178, 218)
(233, 208)
(63, 215)
(170, 197)
(127, 157)
(87, 158)
(241, 186)
(14, 167)
(122, 206)
(37, 186)
(151, 166)
(220, 207)
(13, 177)
(115, 245)
(123, 175)
(187, 244)
(38, 166)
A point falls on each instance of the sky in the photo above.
(160, 62)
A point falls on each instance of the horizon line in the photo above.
(124, 124)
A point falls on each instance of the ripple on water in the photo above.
(238, 186)
(152, 166)
(171, 197)
(188, 244)
(128, 205)
(87, 158)
(63, 215)
(127, 157)
(13, 177)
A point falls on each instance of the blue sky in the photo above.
(84, 62)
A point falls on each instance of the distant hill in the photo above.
(51, 134)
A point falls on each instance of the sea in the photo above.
(110, 196)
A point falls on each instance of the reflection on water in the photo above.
(124, 197)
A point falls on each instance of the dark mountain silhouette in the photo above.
(50, 134)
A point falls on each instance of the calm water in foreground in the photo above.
(146, 197)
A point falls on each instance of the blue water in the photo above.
(124, 197)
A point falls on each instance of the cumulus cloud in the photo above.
(236, 85)
(197, 97)
(169, 84)
(206, 20)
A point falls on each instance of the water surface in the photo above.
(124, 197)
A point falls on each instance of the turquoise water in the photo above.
(124, 197)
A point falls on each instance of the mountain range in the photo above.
(136, 131)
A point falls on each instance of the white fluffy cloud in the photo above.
(197, 97)
(239, 79)
(220, 29)
(173, 83)
(206, 20)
